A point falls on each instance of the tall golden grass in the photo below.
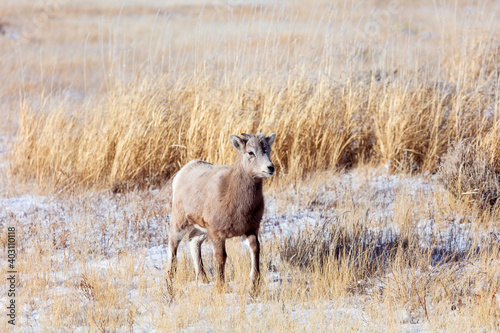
(142, 133)
(334, 99)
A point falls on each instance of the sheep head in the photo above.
(255, 153)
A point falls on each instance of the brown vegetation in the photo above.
(401, 103)
(468, 171)
(102, 97)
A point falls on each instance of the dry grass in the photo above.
(93, 261)
(469, 173)
(335, 100)
(103, 97)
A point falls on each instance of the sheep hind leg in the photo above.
(196, 238)
(174, 240)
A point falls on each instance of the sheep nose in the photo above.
(271, 168)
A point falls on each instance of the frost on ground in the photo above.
(100, 256)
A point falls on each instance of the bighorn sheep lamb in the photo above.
(221, 201)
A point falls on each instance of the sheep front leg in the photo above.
(254, 246)
(220, 258)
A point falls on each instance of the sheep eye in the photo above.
(251, 153)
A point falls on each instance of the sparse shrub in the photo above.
(491, 142)
(467, 171)
(364, 249)
(307, 246)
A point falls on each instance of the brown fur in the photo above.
(221, 202)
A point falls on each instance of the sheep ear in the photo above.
(270, 139)
(237, 142)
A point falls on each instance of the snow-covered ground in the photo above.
(97, 233)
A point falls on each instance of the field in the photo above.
(383, 214)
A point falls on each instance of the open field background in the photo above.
(369, 224)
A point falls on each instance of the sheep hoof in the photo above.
(254, 292)
(221, 288)
(202, 278)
